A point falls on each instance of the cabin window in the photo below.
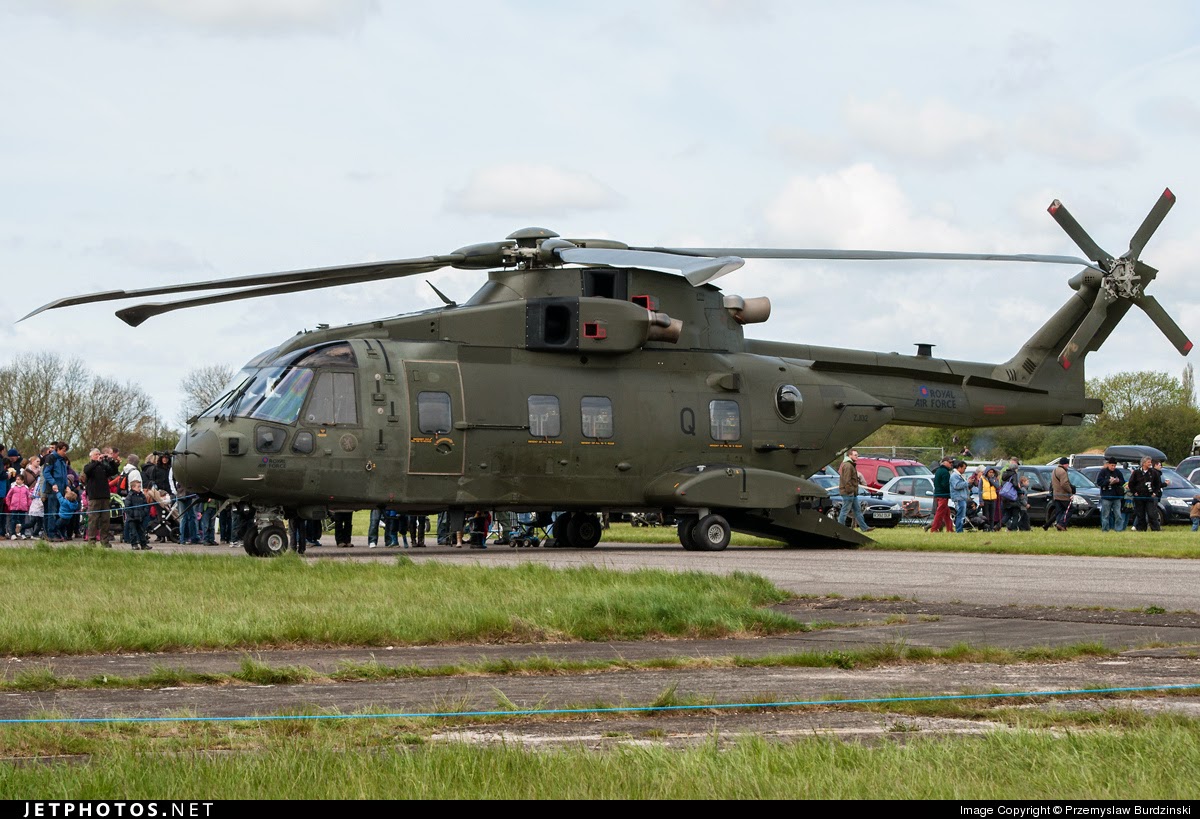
(596, 417)
(788, 402)
(269, 439)
(433, 412)
(303, 442)
(725, 420)
(545, 419)
(333, 400)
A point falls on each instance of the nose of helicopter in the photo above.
(198, 461)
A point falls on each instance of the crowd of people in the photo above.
(45, 496)
(1004, 498)
(995, 499)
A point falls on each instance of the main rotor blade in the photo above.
(398, 267)
(866, 255)
(1078, 235)
(1083, 335)
(1150, 224)
(697, 269)
(135, 315)
(1160, 317)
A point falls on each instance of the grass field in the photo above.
(79, 600)
(388, 761)
(1172, 541)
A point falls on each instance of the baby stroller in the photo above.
(530, 530)
(974, 521)
(163, 523)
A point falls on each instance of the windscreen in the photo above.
(1178, 481)
(914, 469)
(1079, 480)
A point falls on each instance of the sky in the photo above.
(145, 142)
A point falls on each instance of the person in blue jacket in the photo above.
(68, 507)
(960, 494)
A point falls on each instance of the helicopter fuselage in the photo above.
(572, 389)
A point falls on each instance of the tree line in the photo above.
(48, 398)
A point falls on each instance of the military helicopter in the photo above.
(589, 375)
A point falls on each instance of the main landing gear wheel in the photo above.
(686, 528)
(711, 534)
(271, 541)
(559, 528)
(583, 531)
(248, 540)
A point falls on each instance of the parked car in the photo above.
(1085, 503)
(1189, 467)
(876, 512)
(878, 471)
(1082, 460)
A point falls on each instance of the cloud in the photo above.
(1075, 136)
(520, 189)
(1175, 113)
(804, 145)
(160, 256)
(221, 16)
(931, 131)
(856, 207)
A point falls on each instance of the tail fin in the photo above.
(1103, 296)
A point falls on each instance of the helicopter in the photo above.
(588, 375)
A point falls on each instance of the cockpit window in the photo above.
(333, 400)
(335, 355)
(271, 394)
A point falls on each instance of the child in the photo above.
(136, 514)
(35, 518)
(68, 508)
(1195, 513)
(18, 500)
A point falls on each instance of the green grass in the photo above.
(77, 600)
(1172, 541)
(259, 673)
(299, 762)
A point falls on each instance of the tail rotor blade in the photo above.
(1160, 317)
(1078, 235)
(1077, 346)
(1150, 224)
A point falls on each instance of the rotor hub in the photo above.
(1123, 280)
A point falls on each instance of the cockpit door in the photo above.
(435, 392)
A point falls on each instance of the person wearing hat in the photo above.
(1058, 511)
(1111, 481)
(941, 496)
(1145, 484)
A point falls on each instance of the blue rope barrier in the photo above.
(614, 710)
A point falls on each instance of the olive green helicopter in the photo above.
(589, 375)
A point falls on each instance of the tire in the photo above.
(248, 537)
(584, 531)
(685, 529)
(558, 529)
(271, 541)
(711, 534)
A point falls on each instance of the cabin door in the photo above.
(435, 392)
